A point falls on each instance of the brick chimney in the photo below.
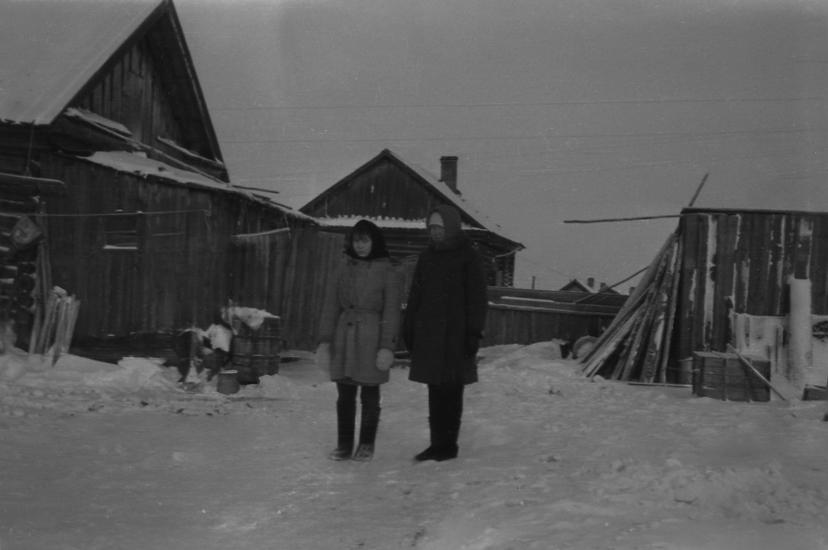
(448, 173)
(590, 282)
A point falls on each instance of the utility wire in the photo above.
(695, 136)
(522, 104)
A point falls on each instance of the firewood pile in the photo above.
(636, 345)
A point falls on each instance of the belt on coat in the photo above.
(361, 310)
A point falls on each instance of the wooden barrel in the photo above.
(256, 352)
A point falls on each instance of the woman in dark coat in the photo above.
(443, 324)
(358, 333)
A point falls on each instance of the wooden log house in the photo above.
(107, 104)
(397, 196)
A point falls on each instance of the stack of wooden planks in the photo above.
(54, 327)
(636, 344)
(55, 312)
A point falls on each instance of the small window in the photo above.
(121, 231)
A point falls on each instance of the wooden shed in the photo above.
(752, 282)
(107, 104)
(397, 197)
(746, 275)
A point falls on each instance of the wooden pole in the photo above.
(746, 362)
(625, 219)
(698, 190)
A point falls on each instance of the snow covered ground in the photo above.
(99, 456)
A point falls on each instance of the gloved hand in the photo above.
(472, 343)
(323, 356)
(385, 358)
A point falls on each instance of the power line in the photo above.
(524, 137)
(540, 136)
(521, 104)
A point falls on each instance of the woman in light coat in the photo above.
(358, 334)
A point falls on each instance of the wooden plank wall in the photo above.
(753, 253)
(131, 93)
(314, 257)
(518, 325)
(259, 263)
(179, 273)
(286, 273)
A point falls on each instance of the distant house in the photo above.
(575, 286)
(397, 197)
(107, 145)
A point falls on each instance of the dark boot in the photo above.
(448, 408)
(368, 424)
(345, 418)
(436, 424)
(434, 431)
(454, 415)
(451, 430)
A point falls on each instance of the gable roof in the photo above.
(51, 50)
(575, 284)
(469, 212)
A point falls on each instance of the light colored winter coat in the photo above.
(360, 315)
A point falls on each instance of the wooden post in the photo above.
(800, 352)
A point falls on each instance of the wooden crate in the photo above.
(723, 376)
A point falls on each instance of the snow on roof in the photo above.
(187, 153)
(383, 222)
(98, 120)
(49, 49)
(141, 165)
(460, 201)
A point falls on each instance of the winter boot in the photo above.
(449, 410)
(448, 448)
(367, 433)
(345, 417)
(434, 431)
(453, 411)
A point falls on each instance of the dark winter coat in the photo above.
(360, 315)
(446, 309)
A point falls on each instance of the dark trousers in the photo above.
(445, 411)
(346, 414)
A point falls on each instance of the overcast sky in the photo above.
(569, 109)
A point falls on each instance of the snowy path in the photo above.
(548, 460)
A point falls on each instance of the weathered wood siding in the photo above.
(178, 271)
(147, 90)
(286, 272)
(740, 261)
(383, 190)
(509, 324)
